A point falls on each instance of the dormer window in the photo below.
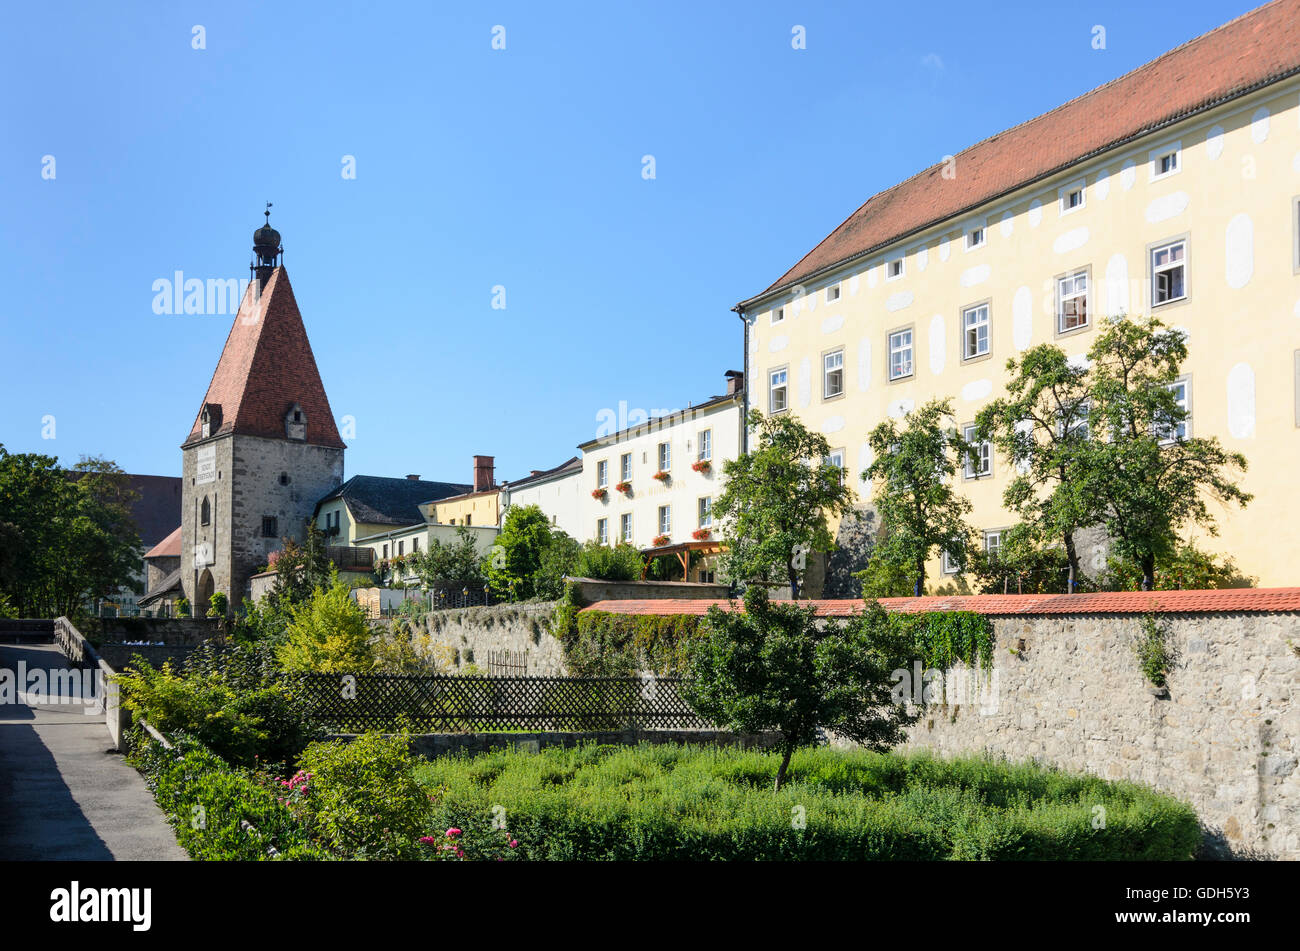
(295, 423)
(210, 419)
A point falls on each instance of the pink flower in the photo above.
(453, 832)
(513, 843)
(427, 839)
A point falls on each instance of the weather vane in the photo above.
(268, 214)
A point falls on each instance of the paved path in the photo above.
(63, 794)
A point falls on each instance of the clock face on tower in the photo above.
(203, 554)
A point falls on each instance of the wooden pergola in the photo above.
(682, 551)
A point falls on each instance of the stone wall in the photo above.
(1225, 739)
(169, 630)
(518, 633)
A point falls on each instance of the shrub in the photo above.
(218, 605)
(673, 803)
(241, 724)
(619, 563)
(206, 800)
(329, 633)
(364, 800)
(182, 607)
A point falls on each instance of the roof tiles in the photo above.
(1255, 49)
(267, 367)
(1222, 601)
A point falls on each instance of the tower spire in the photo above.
(267, 252)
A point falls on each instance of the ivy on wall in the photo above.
(601, 644)
(943, 639)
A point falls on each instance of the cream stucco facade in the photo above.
(678, 506)
(1115, 226)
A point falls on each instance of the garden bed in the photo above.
(682, 803)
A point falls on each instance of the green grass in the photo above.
(674, 802)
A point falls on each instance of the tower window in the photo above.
(284, 478)
(205, 512)
(269, 527)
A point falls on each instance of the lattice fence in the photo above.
(452, 704)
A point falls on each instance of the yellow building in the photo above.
(480, 506)
(1172, 191)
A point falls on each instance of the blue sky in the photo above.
(475, 168)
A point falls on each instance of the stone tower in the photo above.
(264, 446)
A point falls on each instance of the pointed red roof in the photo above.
(267, 368)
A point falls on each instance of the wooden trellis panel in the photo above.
(453, 704)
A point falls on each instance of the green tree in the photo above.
(1149, 481)
(457, 563)
(1187, 567)
(913, 474)
(559, 559)
(530, 558)
(301, 568)
(1041, 428)
(779, 667)
(1021, 565)
(778, 498)
(328, 633)
(66, 536)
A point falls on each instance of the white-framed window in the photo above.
(993, 544)
(706, 511)
(778, 315)
(833, 293)
(948, 563)
(665, 520)
(1182, 390)
(625, 467)
(1169, 272)
(1072, 302)
(602, 531)
(979, 461)
(705, 452)
(1166, 160)
(602, 474)
(625, 527)
(975, 331)
(976, 236)
(836, 458)
(778, 391)
(894, 269)
(665, 456)
(833, 374)
(1078, 422)
(900, 354)
(1073, 197)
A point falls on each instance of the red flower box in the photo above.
(598, 494)
(700, 534)
(659, 541)
(624, 487)
(662, 476)
(702, 466)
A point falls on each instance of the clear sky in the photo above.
(474, 168)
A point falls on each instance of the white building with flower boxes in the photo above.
(653, 484)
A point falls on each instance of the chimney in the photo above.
(414, 478)
(735, 382)
(483, 473)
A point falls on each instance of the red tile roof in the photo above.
(169, 547)
(266, 367)
(1222, 601)
(1258, 48)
